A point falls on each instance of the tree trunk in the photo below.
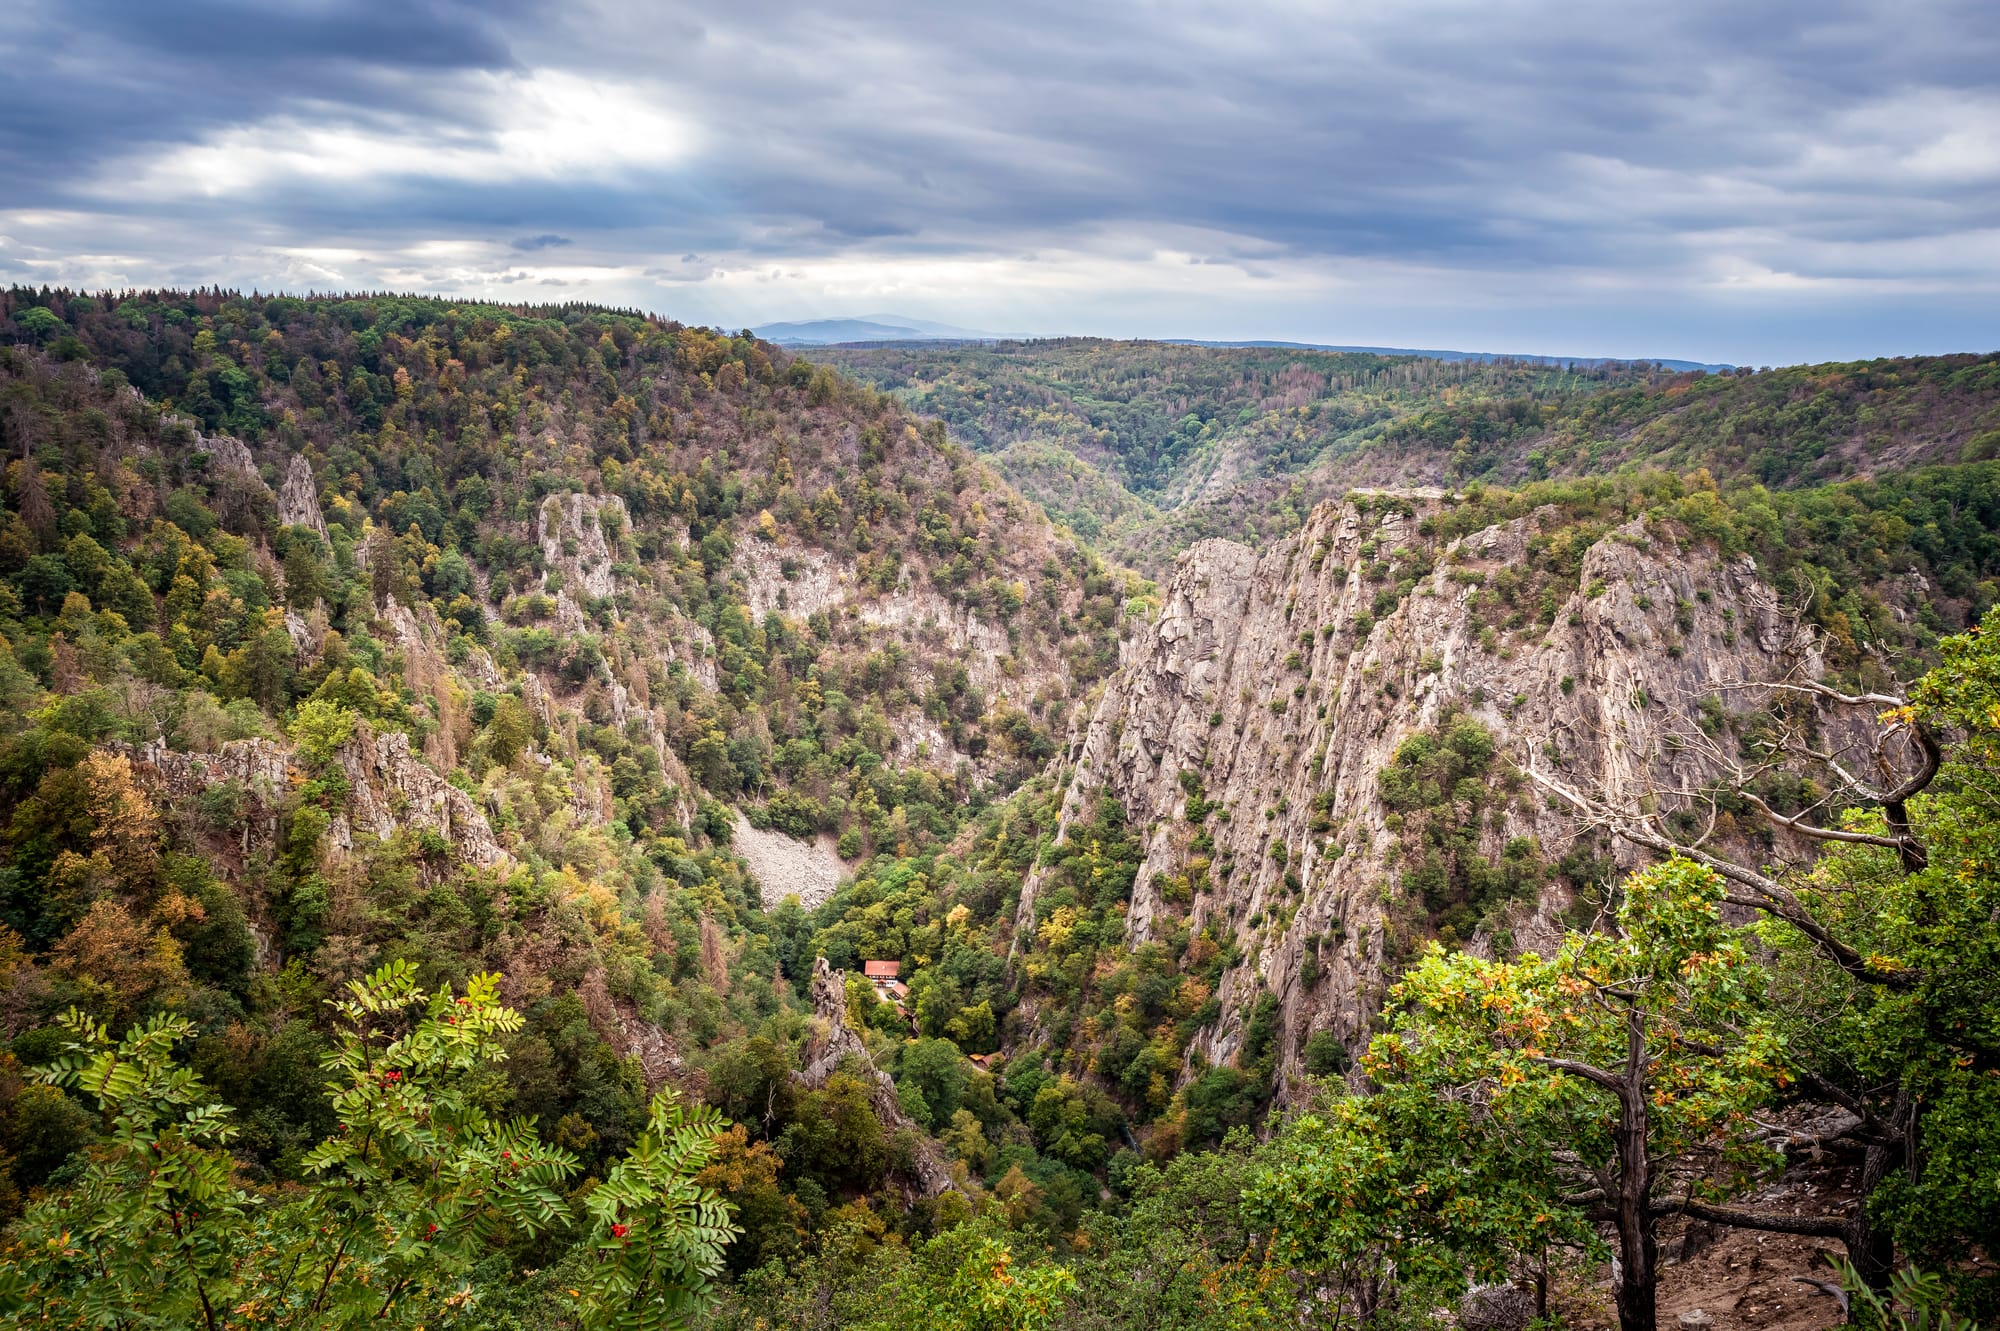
(1638, 1248)
(1872, 1252)
(1367, 1299)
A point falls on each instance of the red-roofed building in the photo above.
(882, 974)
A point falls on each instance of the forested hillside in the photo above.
(1143, 447)
(457, 761)
(349, 632)
(1147, 447)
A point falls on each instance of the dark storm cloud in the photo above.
(101, 78)
(1596, 158)
(1448, 133)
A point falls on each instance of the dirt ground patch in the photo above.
(1745, 1280)
(1742, 1279)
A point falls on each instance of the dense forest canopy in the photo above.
(1145, 447)
(395, 688)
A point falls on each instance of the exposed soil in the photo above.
(1745, 1280)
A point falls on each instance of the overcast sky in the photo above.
(1757, 182)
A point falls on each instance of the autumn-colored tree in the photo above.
(118, 965)
(1524, 1100)
(1887, 943)
(125, 826)
(746, 1174)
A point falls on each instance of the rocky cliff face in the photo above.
(924, 630)
(1287, 680)
(390, 789)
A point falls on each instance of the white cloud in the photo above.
(544, 125)
(1444, 172)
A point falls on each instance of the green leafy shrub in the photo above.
(399, 1205)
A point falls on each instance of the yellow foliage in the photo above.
(1057, 930)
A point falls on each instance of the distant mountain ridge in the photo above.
(898, 328)
(1482, 357)
(1143, 448)
(864, 328)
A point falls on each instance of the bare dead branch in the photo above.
(1883, 700)
(1798, 824)
(1827, 1287)
(1768, 895)
(1817, 1226)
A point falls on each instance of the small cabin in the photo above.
(882, 974)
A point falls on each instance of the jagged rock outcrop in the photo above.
(816, 584)
(392, 789)
(798, 583)
(308, 632)
(570, 528)
(578, 560)
(298, 498)
(229, 453)
(834, 1044)
(794, 581)
(1280, 681)
(178, 780)
(630, 1034)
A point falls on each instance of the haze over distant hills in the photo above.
(897, 328)
(1483, 357)
(864, 328)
